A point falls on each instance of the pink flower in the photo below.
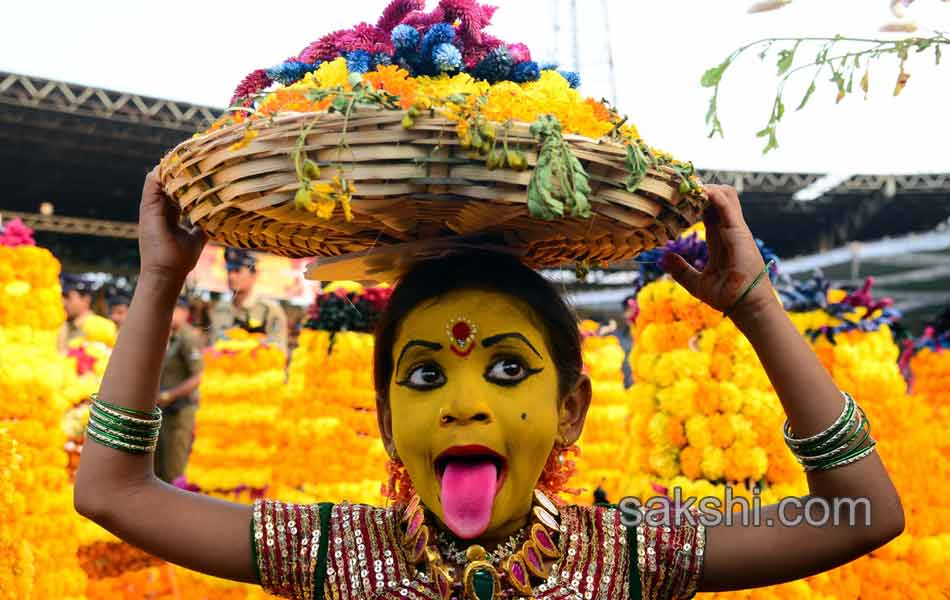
(519, 53)
(15, 233)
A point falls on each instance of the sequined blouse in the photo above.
(352, 551)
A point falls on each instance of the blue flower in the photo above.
(440, 33)
(573, 78)
(381, 58)
(525, 71)
(549, 65)
(495, 67)
(446, 58)
(405, 38)
(358, 61)
(290, 71)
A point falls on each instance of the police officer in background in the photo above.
(77, 302)
(246, 309)
(178, 398)
(118, 300)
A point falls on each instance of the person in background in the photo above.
(118, 300)
(178, 398)
(246, 309)
(624, 333)
(77, 302)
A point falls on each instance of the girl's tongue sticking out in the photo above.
(469, 485)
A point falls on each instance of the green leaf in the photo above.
(772, 144)
(779, 109)
(785, 60)
(712, 76)
(339, 103)
(807, 96)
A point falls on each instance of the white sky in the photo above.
(198, 50)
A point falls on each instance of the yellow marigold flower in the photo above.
(663, 462)
(697, 431)
(690, 462)
(331, 74)
(713, 463)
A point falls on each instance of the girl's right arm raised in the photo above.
(119, 490)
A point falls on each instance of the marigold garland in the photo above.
(603, 444)
(703, 414)
(241, 390)
(38, 540)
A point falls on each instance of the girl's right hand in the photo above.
(166, 249)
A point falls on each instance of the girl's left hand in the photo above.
(734, 258)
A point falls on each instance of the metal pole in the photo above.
(610, 55)
(575, 43)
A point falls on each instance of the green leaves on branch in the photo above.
(559, 183)
(839, 58)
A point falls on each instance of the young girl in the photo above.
(479, 389)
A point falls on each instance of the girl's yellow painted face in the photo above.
(474, 408)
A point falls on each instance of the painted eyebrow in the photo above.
(494, 339)
(422, 343)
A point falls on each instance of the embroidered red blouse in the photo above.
(351, 551)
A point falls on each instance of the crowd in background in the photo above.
(196, 324)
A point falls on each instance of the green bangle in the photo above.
(119, 445)
(833, 437)
(752, 285)
(132, 437)
(854, 456)
(106, 421)
(862, 446)
(130, 411)
(128, 419)
(821, 438)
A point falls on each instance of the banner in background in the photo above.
(277, 277)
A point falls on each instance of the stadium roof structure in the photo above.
(84, 151)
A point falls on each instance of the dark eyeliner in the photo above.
(404, 382)
(528, 371)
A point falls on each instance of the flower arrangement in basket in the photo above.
(421, 129)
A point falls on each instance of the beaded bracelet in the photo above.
(752, 285)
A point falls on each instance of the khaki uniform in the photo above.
(70, 331)
(182, 361)
(258, 315)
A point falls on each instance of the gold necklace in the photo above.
(480, 579)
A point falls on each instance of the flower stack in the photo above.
(603, 443)
(926, 362)
(704, 415)
(38, 539)
(241, 391)
(329, 413)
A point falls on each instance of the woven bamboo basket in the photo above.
(413, 186)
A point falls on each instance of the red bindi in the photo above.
(461, 331)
